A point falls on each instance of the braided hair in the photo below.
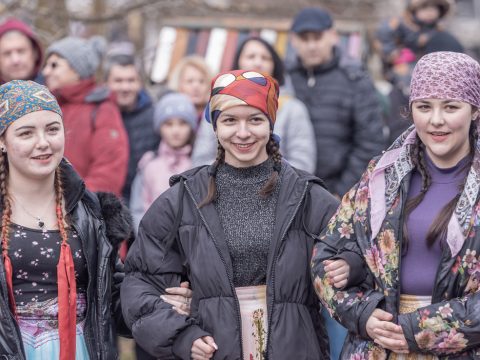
(273, 151)
(438, 228)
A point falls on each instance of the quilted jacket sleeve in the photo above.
(151, 266)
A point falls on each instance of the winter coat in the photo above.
(96, 142)
(370, 223)
(293, 126)
(141, 136)
(161, 258)
(154, 173)
(346, 116)
(101, 223)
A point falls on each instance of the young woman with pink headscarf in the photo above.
(414, 217)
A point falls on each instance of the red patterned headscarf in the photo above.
(446, 75)
(240, 87)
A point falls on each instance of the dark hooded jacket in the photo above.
(161, 257)
(101, 222)
(13, 24)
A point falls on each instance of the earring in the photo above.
(3, 149)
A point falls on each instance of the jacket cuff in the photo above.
(182, 345)
(365, 314)
(405, 322)
(357, 269)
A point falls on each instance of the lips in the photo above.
(244, 147)
(439, 135)
(42, 157)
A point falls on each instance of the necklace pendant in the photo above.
(40, 223)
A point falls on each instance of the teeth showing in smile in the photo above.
(42, 157)
(243, 146)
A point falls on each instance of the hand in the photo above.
(337, 271)
(179, 297)
(203, 348)
(385, 333)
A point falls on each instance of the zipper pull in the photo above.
(311, 81)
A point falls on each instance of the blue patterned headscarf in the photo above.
(19, 98)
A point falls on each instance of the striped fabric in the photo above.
(218, 46)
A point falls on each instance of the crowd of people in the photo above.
(260, 213)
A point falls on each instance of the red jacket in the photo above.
(96, 142)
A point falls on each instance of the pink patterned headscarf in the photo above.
(446, 75)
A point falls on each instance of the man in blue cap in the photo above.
(341, 99)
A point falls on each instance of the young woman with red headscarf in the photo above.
(241, 231)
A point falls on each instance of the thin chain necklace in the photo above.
(40, 221)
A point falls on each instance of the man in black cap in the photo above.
(342, 101)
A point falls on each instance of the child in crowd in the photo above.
(175, 119)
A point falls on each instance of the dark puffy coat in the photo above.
(101, 223)
(198, 252)
(141, 136)
(347, 119)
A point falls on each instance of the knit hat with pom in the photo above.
(83, 55)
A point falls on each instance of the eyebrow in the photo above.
(33, 127)
(232, 115)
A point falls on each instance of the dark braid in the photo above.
(7, 208)
(212, 172)
(439, 227)
(273, 150)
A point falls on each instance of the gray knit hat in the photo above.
(174, 105)
(84, 56)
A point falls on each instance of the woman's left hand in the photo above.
(179, 297)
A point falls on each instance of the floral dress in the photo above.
(369, 222)
(34, 255)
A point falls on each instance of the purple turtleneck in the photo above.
(420, 263)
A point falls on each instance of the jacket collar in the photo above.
(292, 188)
(73, 185)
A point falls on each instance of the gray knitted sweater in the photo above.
(247, 219)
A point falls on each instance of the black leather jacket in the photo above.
(101, 223)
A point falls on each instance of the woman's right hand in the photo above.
(385, 333)
(337, 271)
(203, 348)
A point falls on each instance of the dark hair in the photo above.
(122, 60)
(273, 151)
(278, 67)
(438, 228)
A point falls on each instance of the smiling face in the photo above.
(34, 144)
(443, 127)
(243, 131)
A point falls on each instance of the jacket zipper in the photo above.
(9, 317)
(272, 300)
(237, 305)
(89, 266)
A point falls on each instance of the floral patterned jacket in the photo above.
(368, 222)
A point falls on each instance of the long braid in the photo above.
(273, 150)
(7, 208)
(59, 205)
(212, 187)
(418, 157)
